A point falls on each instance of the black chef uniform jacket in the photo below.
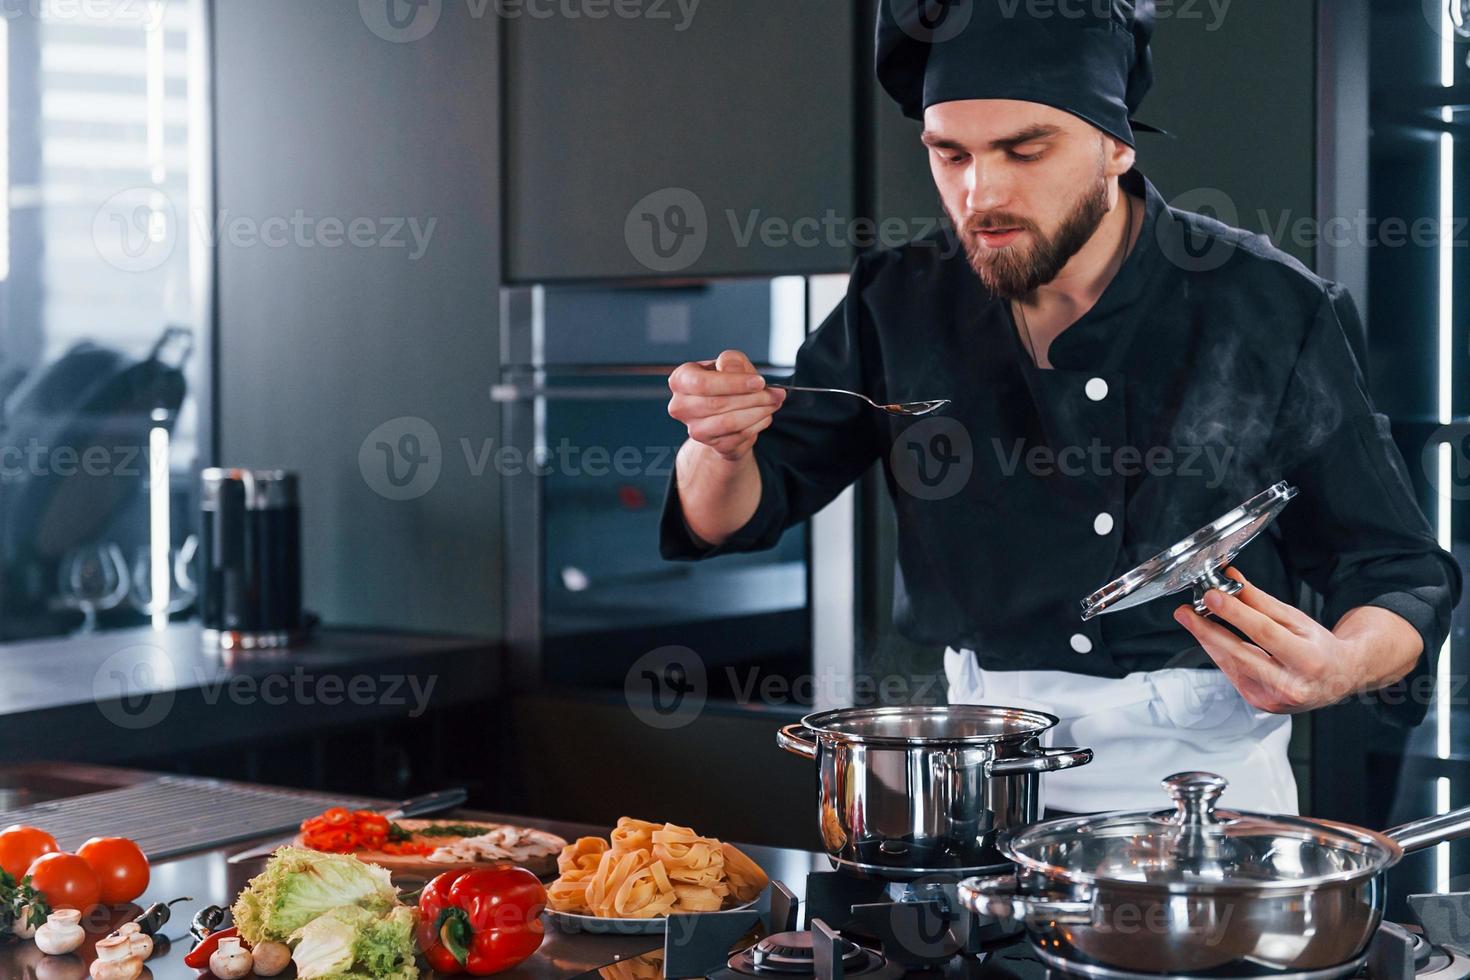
(1212, 366)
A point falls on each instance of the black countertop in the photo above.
(81, 697)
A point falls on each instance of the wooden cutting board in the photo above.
(538, 859)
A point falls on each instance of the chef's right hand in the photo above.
(724, 403)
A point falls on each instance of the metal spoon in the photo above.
(909, 409)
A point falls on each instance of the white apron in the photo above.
(1142, 728)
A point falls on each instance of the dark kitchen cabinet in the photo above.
(333, 351)
(724, 128)
(897, 186)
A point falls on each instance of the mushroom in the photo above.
(139, 942)
(61, 933)
(22, 928)
(270, 958)
(115, 960)
(230, 961)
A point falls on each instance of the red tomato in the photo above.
(120, 865)
(66, 880)
(20, 845)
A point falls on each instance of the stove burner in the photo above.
(1445, 963)
(1420, 950)
(791, 952)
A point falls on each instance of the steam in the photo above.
(1266, 440)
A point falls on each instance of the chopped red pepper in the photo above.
(342, 831)
(481, 921)
(370, 821)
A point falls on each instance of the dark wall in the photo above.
(1237, 91)
(319, 346)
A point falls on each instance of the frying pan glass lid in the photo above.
(1198, 562)
(1196, 847)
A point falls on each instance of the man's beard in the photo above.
(1012, 272)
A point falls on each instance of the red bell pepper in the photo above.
(481, 921)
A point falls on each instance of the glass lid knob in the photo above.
(1195, 795)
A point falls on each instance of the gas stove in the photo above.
(857, 929)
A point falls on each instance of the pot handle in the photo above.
(789, 739)
(1047, 760)
(1431, 830)
(999, 896)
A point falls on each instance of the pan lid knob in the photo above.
(1195, 795)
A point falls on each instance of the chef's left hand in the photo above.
(1296, 664)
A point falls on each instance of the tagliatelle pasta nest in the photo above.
(579, 859)
(689, 858)
(633, 835)
(563, 895)
(647, 870)
(578, 863)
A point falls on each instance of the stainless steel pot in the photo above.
(906, 792)
(1197, 889)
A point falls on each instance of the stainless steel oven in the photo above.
(586, 451)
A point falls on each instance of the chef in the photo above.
(1121, 373)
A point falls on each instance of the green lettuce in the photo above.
(298, 885)
(352, 943)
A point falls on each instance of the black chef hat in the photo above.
(1087, 57)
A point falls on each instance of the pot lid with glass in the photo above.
(1196, 846)
(1197, 563)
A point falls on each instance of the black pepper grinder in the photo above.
(250, 559)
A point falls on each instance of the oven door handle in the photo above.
(512, 392)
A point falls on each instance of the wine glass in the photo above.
(181, 584)
(184, 565)
(93, 578)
